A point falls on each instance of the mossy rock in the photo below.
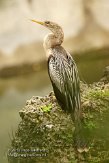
(45, 134)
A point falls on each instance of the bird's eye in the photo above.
(47, 22)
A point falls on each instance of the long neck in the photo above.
(59, 34)
(53, 39)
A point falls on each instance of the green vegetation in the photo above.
(99, 94)
(46, 108)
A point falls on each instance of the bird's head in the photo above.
(48, 24)
(52, 39)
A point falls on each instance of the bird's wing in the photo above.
(64, 76)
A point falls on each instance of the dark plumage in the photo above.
(65, 81)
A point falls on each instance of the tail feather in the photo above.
(81, 137)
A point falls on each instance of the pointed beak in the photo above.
(38, 22)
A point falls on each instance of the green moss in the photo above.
(90, 125)
(46, 108)
(99, 94)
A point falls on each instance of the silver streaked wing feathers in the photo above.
(63, 72)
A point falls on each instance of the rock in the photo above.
(45, 133)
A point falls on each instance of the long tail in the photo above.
(81, 137)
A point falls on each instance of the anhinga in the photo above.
(64, 77)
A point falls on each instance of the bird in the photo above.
(64, 77)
